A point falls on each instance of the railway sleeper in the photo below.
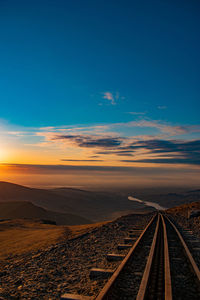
(114, 257)
(75, 297)
(96, 273)
(124, 246)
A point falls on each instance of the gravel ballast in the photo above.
(65, 266)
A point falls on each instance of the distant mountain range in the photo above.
(86, 205)
(19, 210)
(75, 206)
(174, 199)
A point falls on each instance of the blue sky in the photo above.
(59, 57)
(80, 79)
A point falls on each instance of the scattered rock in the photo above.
(65, 267)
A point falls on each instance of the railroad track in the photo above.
(159, 265)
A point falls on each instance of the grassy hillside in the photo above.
(184, 209)
(44, 198)
(21, 236)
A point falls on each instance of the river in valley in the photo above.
(147, 203)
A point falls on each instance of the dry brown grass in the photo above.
(184, 208)
(81, 229)
(20, 236)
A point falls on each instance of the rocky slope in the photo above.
(65, 266)
(181, 215)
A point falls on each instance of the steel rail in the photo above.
(146, 275)
(104, 292)
(193, 264)
(168, 283)
(142, 293)
(156, 280)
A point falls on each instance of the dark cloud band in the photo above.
(90, 142)
(174, 151)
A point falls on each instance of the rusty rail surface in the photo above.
(156, 282)
(156, 279)
(187, 251)
(111, 281)
(157, 267)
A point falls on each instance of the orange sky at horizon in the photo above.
(84, 176)
(99, 155)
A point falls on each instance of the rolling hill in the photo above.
(95, 206)
(18, 210)
(173, 199)
(91, 206)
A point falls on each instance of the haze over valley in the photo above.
(72, 206)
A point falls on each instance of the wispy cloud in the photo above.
(110, 97)
(109, 130)
(117, 152)
(173, 160)
(113, 98)
(163, 127)
(169, 151)
(115, 140)
(81, 160)
(90, 141)
(175, 151)
(137, 113)
(162, 107)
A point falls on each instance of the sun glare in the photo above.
(3, 155)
